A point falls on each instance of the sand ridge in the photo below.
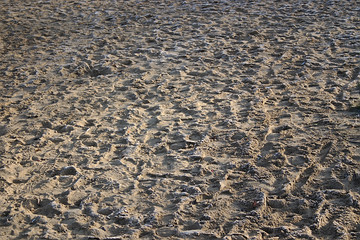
(179, 119)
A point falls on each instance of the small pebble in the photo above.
(69, 170)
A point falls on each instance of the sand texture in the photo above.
(179, 119)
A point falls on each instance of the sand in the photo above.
(179, 119)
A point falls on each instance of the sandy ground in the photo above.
(179, 119)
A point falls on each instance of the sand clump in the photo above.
(179, 120)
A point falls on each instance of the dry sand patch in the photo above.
(179, 119)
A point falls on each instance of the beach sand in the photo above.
(179, 119)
